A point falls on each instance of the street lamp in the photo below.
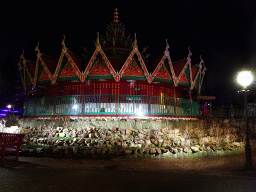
(245, 78)
(9, 106)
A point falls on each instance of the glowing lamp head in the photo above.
(9, 106)
(245, 78)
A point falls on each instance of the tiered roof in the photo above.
(116, 57)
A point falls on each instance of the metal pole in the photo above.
(248, 149)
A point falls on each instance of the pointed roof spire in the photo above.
(116, 16)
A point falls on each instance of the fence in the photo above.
(110, 104)
(236, 111)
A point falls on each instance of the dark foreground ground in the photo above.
(50, 174)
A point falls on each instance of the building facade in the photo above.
(115, 80)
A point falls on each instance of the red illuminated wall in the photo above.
(111, 87)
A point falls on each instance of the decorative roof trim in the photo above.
(160, 64)
(55, 76)
(74, 65)
(90, 64)
(88, 67)
(142, 64)
(202, 73)
(196, 76)
(112, 71)
(46, 69)
(171, 67)
(190, 70)
(128, 60)
(30, 76)
(22, 69)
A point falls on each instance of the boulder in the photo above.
(147, 142)
(236, 144)
(194, 149)
(201, 148)
(213, 147)
(81, 141)
(73, 134)
(141, 136)
(108, 138)
(60, 142)
(152, 151)
(139, 150)
(133, 144)
(164, 150)
(146, 151)
(128, 131)
(158, 151)
(62, 134)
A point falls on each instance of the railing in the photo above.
(110, 104)
(236, 111)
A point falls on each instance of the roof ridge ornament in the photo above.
(144, 49)
(64, 48)
(63, 41)
(167, 45)
(22, 55)
(97, 42)
(116, 16)
(201, 62)
(37, 49)
(166, 52)
(189, 52)
(135, 41)
(98, 39)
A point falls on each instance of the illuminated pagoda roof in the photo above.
(116, 57)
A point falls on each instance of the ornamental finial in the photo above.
(98, 39)
(116, 16)
(37, 48)
(201, 62)
(22, 55)
(167, 45)
(135, 40)
(189, 52)
(63, 41)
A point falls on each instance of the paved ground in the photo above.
(233, 165)
(52, 179)
(50, 174)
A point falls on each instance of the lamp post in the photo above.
(245, 78)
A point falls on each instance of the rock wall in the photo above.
(135, 136)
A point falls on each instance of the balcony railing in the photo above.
(110, 104)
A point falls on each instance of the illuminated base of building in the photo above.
(113, 117)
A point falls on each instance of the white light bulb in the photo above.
(9, 106)
(245, 78)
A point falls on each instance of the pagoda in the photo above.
(116, 80)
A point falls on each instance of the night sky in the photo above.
(223, 32)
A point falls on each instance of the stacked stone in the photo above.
(116, 141)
